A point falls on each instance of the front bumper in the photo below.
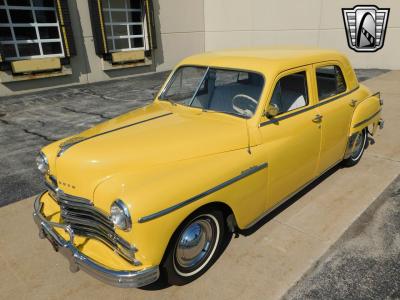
(79, 261)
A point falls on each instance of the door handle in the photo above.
(353, 103)
(317, 118)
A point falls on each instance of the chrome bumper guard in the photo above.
(79, 261)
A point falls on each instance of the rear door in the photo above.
(336, 107)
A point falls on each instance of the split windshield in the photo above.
(233, 92)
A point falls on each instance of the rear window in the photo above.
(330, 82)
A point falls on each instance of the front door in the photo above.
(336, 108)
(292, 138)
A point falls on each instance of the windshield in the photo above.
(226, 91)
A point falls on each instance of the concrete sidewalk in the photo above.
(365, 262)
(263, 264)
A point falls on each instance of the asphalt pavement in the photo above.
(365, 262)
(29, 122)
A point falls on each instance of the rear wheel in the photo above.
(194, 247)
(360, 140)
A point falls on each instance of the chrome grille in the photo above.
(88, 221)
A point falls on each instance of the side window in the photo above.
(330, 82)
(291, 92)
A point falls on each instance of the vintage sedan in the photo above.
(230, 136)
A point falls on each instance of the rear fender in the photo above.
(367, 112)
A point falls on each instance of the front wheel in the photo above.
(360, 141)
(194, 247)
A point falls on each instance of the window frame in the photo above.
(108, 10)
(171, 78)
(329, 64)
(306, 70)
(36, 27)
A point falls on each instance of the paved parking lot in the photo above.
(364, 263)
(286, 248)
(29, 122)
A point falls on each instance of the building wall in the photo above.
(233, 23)
(181, 24)
(186, 27)
(179, 35)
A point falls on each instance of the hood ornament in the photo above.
(69, 143)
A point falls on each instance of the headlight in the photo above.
(120, 215)
(42, 163)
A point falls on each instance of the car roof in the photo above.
(265, 59)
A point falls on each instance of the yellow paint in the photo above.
(364, 111)
(149, 24)
(36, 65)
(103, 32)
(63, 28)
(156, 164)
(127, 56)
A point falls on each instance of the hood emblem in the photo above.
(66, 184)
(69, 143)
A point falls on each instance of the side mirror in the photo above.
(272, 110)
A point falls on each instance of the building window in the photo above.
(29, 29)
(123, 21)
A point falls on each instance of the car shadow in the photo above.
(297, 196)
(289, 202)
(160, 284)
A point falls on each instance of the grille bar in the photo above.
(88, 221)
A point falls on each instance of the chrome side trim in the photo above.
(264, 214)
(367, 119)
(170, 209)
(64, 148)
(79, 261)
(321, 103)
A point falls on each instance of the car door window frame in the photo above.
(310, 92)
(328, 64)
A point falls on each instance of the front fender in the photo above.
(366, 113)
(168, 185)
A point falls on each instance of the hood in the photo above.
(157, 134)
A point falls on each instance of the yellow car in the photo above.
(230, 136)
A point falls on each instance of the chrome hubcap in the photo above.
(194, 243)
(358, 145)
